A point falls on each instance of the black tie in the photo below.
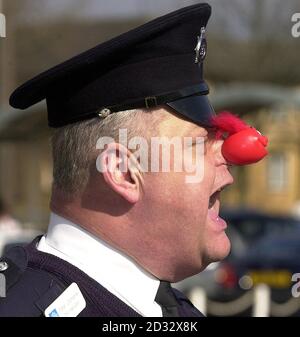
(167, 300)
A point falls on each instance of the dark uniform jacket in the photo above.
(35, 279)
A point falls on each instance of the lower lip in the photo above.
(214, 216)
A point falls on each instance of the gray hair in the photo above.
(74, 146)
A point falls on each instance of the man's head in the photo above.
(165, 223)
(149, 82)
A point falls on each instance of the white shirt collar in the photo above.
(115, 271)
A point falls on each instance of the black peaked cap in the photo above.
(151, 65)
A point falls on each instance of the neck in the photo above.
(118, 228)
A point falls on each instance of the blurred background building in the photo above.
(252, 67)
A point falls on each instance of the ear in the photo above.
(119, 173)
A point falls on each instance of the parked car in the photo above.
(272, 261)
(253, 225)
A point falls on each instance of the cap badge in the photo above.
(201, 47)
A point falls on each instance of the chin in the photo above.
(218, 250)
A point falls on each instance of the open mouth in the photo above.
(213, 210)
(214, 201)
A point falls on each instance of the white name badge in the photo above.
(69, 304)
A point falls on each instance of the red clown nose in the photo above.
(243, 144)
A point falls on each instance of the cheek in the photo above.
(178, 199)
(206, 187)
(199, 193)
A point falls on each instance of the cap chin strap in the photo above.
(154, 101)
(175, 99)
